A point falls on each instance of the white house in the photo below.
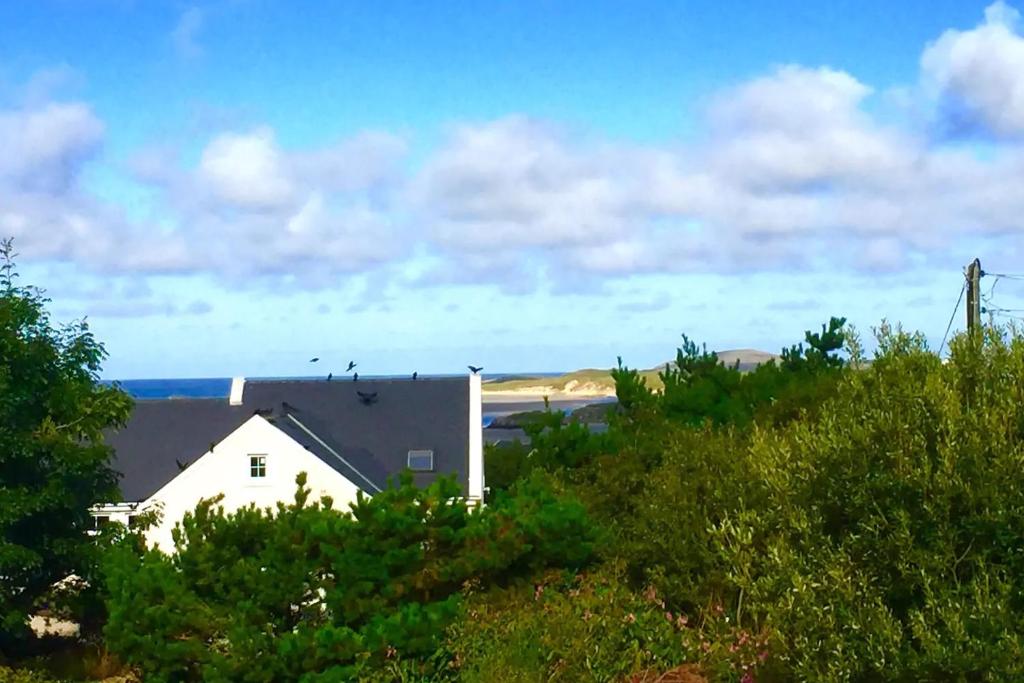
(348, 436)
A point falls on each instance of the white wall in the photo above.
(225, 469)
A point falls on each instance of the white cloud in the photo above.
(792, 169)
(44, 148)
(246, 171)
(980, 72)
(250, 209)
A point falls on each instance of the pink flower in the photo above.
(747, 677)
(762, 655)
(681, 620)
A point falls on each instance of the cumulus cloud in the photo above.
(980, 72)
(789, 166)
(250, 208)
(246, 171)
(44, 148)
(792, 169)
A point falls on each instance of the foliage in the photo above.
(699, 388)
(308, 592)
(875, 537)
(504, 464)
(53, 464)
(8, 675)
(590, 627)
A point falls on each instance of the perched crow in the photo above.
(314, 360)
(368, 398)
(330, 376)
(181, 465)
(415, 375)
(351, 364)
(355, 377)
(474, 369)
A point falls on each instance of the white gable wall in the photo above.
(226, 469)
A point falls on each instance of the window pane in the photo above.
(421, 460)
(257, 465)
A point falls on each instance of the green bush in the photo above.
(591, 627)
(876, 537)
(8, 675)
(310, 593)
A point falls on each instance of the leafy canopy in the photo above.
(307, 592)
(53, 464)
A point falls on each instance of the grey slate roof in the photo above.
(372, 441)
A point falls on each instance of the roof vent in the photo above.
(237, 384)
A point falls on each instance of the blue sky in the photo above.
(233, 187)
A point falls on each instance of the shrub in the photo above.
(308, 592)
(876, 537)
(590, 627)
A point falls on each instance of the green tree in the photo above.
(307, 592)
(53, 464)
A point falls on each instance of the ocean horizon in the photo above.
(220, 387)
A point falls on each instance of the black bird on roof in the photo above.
(415, 375)
(355, 377)
(314, 360)
(474, 369)
(368, 398)
(351, 364)
(181, 465)
(330, 376)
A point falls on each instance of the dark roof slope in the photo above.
(368, 444)
(162, 433)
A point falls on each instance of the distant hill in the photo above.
(594, 382)
(748, 358)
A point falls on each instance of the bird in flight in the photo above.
(367, 398)
(330, 376)
(314, 360)
(351, 364)
(474, 369)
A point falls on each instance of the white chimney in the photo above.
(237, 385)
(476, 439)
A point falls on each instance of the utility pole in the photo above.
(973, 296)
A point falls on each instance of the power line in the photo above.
(956, 308)
(1008, 276)
(1000, 309)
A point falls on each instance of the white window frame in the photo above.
(420, 452)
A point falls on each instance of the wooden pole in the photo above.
(973, 296)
